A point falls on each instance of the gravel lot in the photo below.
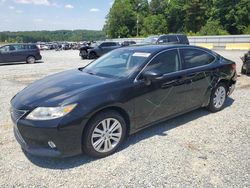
(198, 149)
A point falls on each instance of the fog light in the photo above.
(51, 144)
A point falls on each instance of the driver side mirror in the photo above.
(152, 75)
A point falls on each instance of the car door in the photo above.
(199, 74)
(105, 47)
(165, 97)
(6, 55)
(20, 53)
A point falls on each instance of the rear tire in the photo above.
(104, 134)
(30, 59)
(218, 97)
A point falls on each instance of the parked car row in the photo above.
(60, 45)
(100, 48)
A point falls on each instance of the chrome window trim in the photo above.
(182, 70)
(136, 78)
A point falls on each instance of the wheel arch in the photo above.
(30, 55)
(117, 109)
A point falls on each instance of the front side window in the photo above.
(105, 45)
(163, 39)
(165, 62)
(117, 63)
(195, 58)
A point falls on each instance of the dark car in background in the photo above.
(128, 43)
(97, 49)
(167, 39)
(19, 53)
(245, 69)
(92, 109)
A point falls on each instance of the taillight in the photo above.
(234, 66)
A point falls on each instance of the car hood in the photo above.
(54, 89)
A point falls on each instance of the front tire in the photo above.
(218, 97)
(92, 55)
(104, 134)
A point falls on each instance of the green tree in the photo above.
(234, 15)
(154, 24)
(213, 28)
(121, 20)
(175, 16)
(195, 15)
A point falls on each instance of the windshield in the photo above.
(151, 39)
(117, 64)
(95, 44)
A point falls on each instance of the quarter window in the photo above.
(165, 62)
(194, 58)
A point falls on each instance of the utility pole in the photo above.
(137, 25)
(137, 19)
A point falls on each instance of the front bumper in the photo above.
(38, 57)
(34, 137)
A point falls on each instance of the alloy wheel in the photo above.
(219, 97)
(31, 60)
(106, 135)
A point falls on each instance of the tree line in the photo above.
(49, 36)
(129, 18)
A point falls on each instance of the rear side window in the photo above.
(172, 38)
(32, 47)
(183, 39)
(106, 44)
(165, 62)
(195, 58)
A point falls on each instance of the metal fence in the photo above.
(221, 41)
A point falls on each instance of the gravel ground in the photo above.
(198, 149)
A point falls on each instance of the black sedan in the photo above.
(94, 108)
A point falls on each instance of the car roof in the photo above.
(156, 48)
(20, 44)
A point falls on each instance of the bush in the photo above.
(212, 28)
(247, 30)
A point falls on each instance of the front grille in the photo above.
(17, 114)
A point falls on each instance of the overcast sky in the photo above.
(26, 15)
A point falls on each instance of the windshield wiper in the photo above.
(91, 73)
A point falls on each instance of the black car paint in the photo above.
(140, 104)
(20, 55)
(245, 69)
(98, 50)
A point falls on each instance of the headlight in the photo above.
(47, 113)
